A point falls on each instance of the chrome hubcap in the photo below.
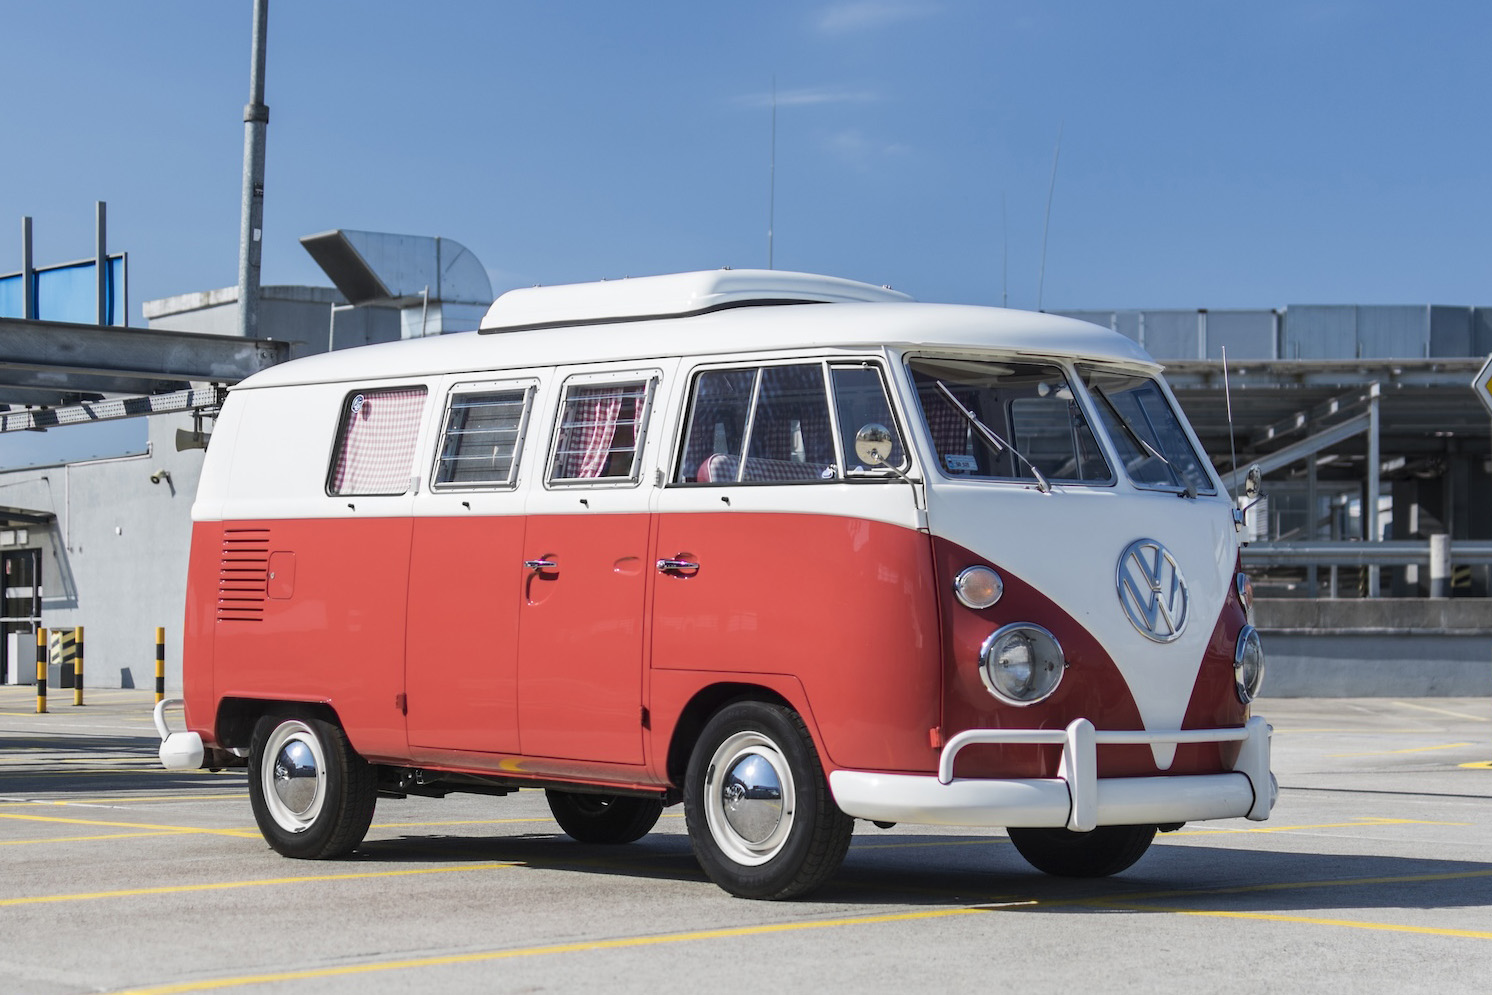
(292, 778)
(752, 798)
(295, 776)
(749, 798)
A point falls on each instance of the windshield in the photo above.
(1146, 431)
(996, 420)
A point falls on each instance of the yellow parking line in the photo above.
(1443, 711)
(1412, 749)
(263, 882)
(107, 836)
(1390, 927)
(555, 948)
(125, 825)
(1130, 903)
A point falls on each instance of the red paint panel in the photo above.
(844, 605)
(580, 637)
(198, 630)
(339, 638)
(461, 670)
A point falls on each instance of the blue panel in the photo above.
(11, 300)
(68, 293)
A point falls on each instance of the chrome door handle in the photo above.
(684, 568)
(540, 565)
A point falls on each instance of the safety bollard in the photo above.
(78, 667)
(160, 664)
(41, 671)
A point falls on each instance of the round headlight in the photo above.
(1248, 664)
(978, 587)
(1021, 663)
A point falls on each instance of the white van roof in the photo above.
(674, 295)
(713, 322)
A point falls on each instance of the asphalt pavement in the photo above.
(1374, 874)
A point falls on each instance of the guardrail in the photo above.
(1356, 553)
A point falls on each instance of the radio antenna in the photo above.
(772, 177)
(1004, 253)
(1228, 398)
(1047, 221)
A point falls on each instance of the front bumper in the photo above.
(1078, 798)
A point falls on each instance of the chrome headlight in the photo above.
(1021, 663)
(1248, 664)
(978, 587)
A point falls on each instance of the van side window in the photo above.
(861, 405)
(481, 438)
(600, 432)
(376, 441)
(765, 425)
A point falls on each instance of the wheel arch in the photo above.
(237, 717)
(705, 703)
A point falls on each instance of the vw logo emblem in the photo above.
(1152, 590)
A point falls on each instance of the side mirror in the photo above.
(1253, 482)
(873, 444)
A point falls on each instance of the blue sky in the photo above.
(1212, 154)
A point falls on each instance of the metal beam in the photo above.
(110, 410)
(1308, 446)
(16, 382)
(1303, 420)
(145, 353)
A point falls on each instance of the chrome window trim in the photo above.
(529, 388)
(649, 380)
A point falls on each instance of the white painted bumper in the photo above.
(179, 750)
(1078, 799)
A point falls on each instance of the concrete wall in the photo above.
(114, 560)
(1365, 648)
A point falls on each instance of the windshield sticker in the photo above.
(959, 463)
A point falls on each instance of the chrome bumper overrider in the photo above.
(1078, 798)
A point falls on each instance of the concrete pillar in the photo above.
(1440, 565)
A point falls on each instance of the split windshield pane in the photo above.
(1146, 431)
(1025, 412)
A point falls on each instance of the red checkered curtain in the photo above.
(590, 426)
(376, 452)
(949, 427)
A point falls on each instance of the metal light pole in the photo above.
(250, 232)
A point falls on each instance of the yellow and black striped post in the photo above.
(160, 664)
(78, 666)
(41, 671)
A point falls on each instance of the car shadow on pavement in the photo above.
(985, 870)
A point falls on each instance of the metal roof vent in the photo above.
(440, 284)
(675, 295)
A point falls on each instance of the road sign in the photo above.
(1483, 385)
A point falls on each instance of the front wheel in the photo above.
(760, 815)
(312, 795)
(1064, 853)
(603, 818)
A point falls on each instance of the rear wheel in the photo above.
(1064, 853)
(760, 814)
(312, 795)
(603, 818)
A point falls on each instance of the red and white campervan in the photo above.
(791, 550)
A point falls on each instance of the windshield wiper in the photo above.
(1187, 490)
(996, 443)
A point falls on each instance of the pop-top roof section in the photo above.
(676, 295)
